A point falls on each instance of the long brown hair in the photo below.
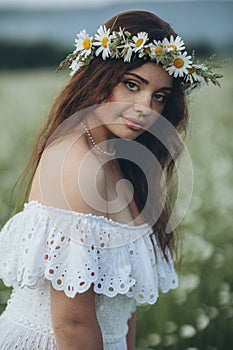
(93, 84)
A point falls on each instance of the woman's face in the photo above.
(136, 102)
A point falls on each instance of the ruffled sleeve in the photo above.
(75, 250)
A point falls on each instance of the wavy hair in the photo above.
(93, 84)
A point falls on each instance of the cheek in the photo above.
(153, 119)
(116, 97)
(119, 94)
(158, 107)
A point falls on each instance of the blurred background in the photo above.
(34, 37)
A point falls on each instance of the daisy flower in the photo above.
(158, 46)
(75, 65)
(127, 52)
(144, 51)
(139, 41)
(83, 43)
(193, 75)
(168, 52)
(176, 44)
(102, 39)
(180, 65)
(151, 50)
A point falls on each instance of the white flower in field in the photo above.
(170, 339)
(202, 321)
(172, 44)
(225, 296)
(229, 312)
(187, 284)
(213, 312)
(170, 327)
(190, 282)
(187, 331)
(83, 43)
(154, 339)
(139, 41)
(102, 39)
(180, 65)
(198, 248)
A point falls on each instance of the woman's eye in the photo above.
(160, 98)
(131, 85)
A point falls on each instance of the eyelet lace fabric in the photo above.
(43, 245)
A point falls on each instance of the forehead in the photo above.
(154, 74)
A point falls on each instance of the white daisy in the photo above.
(193, 75)
(83, 43)
(102, 39)
(158, 45)
(115, 53)
(180, 65)
(75, 65)
(151, 50)
(127, 52)
(176, 44)
(144, 51)
(139, 41)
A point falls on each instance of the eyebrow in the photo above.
(139, 77)
(146, 82)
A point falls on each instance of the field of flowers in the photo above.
(199, 314)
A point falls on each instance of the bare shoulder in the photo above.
(70, 176)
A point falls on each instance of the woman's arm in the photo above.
(131, 332)
(74, 321)
(64, 180)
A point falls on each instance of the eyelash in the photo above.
(156, 96)
(127, 83)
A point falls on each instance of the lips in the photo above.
(133, 124)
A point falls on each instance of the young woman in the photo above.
(92, 241)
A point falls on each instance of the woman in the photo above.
(92, 242)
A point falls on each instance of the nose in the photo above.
(143, 104)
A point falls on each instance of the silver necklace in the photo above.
(94, 144)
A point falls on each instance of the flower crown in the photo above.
(170, 53)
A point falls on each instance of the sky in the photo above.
(70, 3)
(209, 21)
(57, 3)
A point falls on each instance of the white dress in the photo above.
(42, 245)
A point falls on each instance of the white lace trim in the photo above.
(74, 250)
(14, 336)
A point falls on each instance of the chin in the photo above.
(131, 136)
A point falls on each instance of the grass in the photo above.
(199, 314)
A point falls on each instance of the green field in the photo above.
(199, 314)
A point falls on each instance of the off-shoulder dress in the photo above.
(43, 245)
